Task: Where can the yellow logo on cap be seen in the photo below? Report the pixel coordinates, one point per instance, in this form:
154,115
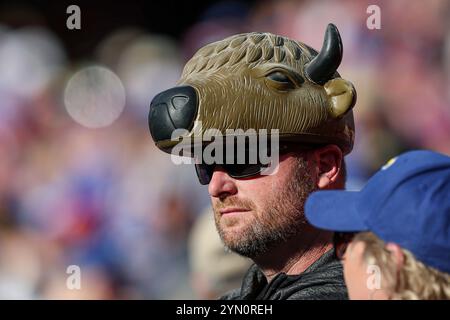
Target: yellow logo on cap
389,163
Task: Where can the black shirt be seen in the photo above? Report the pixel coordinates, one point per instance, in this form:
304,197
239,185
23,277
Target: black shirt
323,280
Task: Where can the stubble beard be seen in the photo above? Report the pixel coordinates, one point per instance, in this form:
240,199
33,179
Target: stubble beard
282,219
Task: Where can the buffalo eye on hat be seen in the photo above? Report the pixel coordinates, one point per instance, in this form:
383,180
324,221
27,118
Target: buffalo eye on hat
406,202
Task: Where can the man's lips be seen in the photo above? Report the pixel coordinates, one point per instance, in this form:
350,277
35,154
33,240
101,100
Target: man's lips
232,210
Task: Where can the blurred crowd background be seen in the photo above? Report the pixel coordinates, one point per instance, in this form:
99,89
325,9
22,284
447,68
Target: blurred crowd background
81,182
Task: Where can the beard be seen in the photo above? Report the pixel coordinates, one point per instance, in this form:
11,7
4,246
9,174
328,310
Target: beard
282,219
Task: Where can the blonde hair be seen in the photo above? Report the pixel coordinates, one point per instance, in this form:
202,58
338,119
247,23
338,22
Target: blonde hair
413,281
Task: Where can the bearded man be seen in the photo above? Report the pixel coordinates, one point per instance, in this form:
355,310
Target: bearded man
264,82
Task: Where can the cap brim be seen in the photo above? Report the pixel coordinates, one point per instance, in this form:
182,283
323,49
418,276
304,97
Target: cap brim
334,210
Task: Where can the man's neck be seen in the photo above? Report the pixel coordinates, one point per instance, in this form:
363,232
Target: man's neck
297,254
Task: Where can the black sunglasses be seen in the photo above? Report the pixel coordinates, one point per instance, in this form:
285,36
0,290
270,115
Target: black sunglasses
246,170
341,241
205,171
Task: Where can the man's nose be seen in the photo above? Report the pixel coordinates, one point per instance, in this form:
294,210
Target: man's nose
221,185
175,108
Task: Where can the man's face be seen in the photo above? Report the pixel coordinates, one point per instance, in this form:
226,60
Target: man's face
254,214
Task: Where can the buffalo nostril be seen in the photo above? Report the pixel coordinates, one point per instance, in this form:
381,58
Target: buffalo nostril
179,102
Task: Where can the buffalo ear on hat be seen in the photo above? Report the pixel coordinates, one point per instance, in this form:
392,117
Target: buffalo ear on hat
342,96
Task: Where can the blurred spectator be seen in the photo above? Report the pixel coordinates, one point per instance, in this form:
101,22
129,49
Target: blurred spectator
214,269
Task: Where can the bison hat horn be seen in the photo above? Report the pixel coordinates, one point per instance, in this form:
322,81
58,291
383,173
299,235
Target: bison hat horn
324,65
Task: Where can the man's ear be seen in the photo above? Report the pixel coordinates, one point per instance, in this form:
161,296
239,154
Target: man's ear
396,254
342,96
328,162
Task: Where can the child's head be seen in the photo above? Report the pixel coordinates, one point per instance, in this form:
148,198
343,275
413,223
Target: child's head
401,219
374,269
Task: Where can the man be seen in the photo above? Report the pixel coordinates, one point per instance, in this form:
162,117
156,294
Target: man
260,83
394,234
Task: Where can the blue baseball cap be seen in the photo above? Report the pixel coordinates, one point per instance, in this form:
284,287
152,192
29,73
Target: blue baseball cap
406,202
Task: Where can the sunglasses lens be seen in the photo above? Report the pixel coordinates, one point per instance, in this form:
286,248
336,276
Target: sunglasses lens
232,168
243,170
204,173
